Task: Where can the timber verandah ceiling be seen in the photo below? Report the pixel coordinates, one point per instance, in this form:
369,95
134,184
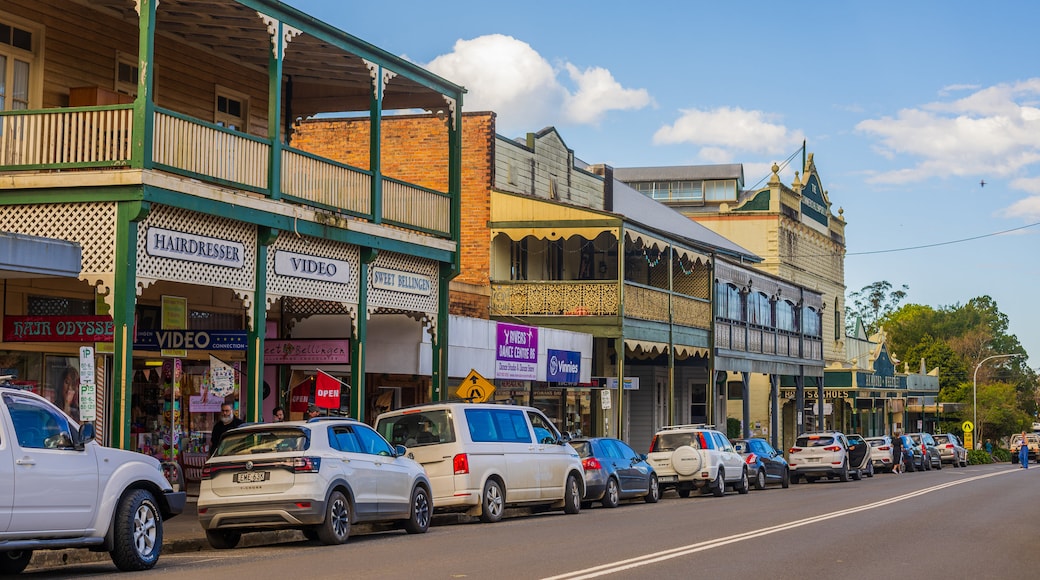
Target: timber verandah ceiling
325,64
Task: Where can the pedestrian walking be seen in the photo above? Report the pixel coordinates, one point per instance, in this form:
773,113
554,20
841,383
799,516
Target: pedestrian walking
1023,452
989,449
897,453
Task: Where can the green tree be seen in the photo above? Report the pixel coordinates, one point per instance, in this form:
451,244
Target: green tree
871,304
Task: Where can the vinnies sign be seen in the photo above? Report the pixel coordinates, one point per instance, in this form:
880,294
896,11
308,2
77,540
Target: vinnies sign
516,352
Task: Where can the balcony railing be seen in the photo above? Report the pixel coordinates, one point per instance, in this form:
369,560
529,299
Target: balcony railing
564,298
757,340
66,138
101,137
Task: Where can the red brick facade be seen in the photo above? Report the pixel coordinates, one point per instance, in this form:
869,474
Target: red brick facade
414,149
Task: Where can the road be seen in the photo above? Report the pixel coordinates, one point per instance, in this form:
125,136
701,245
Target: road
975,522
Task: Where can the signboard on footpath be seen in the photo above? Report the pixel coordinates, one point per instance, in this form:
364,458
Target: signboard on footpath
87,386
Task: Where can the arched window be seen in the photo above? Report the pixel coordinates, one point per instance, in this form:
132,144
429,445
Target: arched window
785,316
839,329
810,322
728,302
760,311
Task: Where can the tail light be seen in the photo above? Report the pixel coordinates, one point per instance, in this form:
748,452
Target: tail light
884,448
794,450
924,450
751,459
306,464
653,443
591,464
832,448
461,464
207,473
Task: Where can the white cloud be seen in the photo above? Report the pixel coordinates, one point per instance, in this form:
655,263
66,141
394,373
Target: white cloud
508,76
993,132
725,132
945,91
1028,208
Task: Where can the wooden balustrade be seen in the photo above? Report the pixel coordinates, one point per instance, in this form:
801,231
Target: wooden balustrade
66,138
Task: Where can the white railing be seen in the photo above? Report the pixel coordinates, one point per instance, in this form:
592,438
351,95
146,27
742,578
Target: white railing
326,183
69,137
209,151
412,206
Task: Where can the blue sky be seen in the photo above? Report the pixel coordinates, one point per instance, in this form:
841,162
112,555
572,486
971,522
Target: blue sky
906,106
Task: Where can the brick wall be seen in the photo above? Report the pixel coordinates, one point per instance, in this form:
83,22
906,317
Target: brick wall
415,150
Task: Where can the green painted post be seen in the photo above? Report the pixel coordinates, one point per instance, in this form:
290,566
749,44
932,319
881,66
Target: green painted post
274,109
144,108
374,150
124,302
255,349
357,346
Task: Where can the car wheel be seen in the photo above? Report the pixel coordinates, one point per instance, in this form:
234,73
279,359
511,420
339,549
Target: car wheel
137,532
336,527
760,479
745,485
843,475
785,481
938,464
14,561
856,474
572,496
612,496
926,464
419,520
870,469
222,539
718,489
492,503
683,491
654,492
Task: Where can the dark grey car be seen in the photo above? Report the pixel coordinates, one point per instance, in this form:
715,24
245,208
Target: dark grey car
930,450
613,472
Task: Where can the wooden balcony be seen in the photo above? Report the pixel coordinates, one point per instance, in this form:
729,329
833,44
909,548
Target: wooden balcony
561,298
102,137
758,340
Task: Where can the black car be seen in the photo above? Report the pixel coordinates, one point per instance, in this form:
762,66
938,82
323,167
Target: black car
929,450
765,463
613,472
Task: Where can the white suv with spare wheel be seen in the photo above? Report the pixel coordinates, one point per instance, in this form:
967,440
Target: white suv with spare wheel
696,456
819,454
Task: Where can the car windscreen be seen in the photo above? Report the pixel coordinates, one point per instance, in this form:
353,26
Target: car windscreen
417,428
940,439
814,441
254,441
742,446
876,442
673,441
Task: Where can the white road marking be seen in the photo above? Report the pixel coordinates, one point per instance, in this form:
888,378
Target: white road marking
652,558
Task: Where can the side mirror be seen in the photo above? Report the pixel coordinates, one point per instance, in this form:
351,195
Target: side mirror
400,450
85,434
642,456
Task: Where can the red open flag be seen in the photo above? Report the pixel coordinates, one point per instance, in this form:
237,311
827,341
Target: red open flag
326,392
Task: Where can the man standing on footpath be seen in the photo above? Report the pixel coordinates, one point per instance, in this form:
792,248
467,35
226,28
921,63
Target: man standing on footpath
897,453
1023,452
228,421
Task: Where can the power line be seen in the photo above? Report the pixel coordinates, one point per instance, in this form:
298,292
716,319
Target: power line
908,248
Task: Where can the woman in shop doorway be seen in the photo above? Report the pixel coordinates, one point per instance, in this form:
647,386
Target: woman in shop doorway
70,392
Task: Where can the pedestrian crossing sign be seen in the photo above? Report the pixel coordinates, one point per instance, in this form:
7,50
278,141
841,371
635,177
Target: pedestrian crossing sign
475,388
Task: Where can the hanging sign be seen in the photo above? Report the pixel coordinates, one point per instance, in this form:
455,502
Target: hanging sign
326,391
223,377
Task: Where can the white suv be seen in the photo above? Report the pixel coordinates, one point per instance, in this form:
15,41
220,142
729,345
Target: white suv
60,489
319,476
820,454
689,456
481,457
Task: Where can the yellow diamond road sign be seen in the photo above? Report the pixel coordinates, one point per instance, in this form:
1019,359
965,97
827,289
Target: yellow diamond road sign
967,426
475,388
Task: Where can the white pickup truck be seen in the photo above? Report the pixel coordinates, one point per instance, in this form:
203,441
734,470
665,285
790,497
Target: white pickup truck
60,489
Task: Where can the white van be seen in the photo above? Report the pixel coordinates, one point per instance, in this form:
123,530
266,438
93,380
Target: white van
482,457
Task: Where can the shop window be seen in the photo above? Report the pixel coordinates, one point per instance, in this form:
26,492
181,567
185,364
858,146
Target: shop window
18,63
203,320
127,73
231,109
59,306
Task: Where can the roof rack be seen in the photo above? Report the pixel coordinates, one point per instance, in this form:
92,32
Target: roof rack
330,418
689,426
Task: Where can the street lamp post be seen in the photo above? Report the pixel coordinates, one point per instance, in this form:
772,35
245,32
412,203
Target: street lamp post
974,390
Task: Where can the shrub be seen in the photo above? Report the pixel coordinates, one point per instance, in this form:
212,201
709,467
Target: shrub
1001,454
980,457
733,428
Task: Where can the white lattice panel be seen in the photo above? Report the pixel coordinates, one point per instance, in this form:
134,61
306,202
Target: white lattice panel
91,225
152,268
401,301
317,289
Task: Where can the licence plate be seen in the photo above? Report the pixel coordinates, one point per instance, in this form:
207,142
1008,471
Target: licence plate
668,478
814,460
252,476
